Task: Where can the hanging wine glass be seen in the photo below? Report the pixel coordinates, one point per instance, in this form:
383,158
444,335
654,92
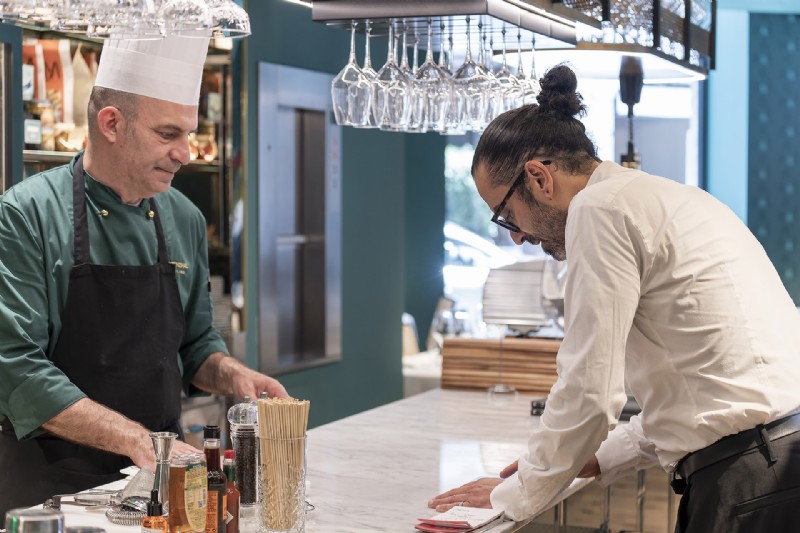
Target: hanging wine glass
188,18
391,93
30,11
70,15
369,74
229,19
516,93
493,93
505,82
433,89
351,91
471,84
455,110
532,88
141,19
442,55
416,117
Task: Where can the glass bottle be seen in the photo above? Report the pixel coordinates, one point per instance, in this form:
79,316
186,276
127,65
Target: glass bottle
229,466
216,508
154,522
188,493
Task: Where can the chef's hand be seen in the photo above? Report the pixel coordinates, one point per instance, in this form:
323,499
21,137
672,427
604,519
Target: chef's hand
473,494
223,374
248,382
590,469
144,456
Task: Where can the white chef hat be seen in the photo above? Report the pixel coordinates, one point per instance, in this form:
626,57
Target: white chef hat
168,69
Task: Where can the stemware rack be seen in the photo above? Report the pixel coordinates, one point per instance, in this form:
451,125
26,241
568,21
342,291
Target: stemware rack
682,32
554,25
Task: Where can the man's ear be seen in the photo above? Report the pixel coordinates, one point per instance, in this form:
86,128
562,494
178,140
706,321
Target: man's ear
540,178
110,123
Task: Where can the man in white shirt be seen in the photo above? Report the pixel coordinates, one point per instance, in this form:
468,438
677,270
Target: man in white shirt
667,292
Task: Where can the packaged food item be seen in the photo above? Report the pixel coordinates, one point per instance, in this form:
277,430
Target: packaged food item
188,493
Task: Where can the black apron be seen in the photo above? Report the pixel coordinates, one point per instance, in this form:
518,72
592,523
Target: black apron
122,327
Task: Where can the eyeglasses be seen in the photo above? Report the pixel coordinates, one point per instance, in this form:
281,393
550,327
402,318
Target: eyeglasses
498,217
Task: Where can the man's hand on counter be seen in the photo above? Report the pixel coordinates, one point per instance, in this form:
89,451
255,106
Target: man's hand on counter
473,494
223,374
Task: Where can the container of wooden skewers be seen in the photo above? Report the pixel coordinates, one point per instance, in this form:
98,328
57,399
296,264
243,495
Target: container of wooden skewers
282,424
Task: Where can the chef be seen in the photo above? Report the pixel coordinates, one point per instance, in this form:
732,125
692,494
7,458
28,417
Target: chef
105,312
666,291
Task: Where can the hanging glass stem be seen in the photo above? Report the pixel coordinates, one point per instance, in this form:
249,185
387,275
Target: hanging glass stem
367,60
353,25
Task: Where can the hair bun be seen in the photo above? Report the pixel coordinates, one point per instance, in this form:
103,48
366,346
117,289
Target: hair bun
558,92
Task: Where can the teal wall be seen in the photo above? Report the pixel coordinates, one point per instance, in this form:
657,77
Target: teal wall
423,234
728,100
774,152
392,217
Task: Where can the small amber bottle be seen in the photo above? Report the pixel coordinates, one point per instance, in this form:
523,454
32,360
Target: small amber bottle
155,521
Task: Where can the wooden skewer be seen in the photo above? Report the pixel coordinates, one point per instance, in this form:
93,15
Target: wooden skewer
282,430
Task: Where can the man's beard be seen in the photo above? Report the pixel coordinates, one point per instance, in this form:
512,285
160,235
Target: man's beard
551,224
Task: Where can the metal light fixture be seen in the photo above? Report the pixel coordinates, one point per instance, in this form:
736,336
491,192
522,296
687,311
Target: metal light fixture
631,81
674,38
668,40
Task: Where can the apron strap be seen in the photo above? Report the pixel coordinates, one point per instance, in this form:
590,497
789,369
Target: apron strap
162,246
80,223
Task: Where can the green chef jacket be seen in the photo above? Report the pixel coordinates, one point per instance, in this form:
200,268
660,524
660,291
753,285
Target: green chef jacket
36,255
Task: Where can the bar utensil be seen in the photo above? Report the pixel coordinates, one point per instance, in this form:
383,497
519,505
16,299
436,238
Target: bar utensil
162,444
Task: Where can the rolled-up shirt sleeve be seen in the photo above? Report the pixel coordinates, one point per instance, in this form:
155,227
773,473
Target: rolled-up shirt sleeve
602,295
624,451
32,389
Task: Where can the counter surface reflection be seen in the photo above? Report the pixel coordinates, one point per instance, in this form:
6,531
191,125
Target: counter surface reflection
376,471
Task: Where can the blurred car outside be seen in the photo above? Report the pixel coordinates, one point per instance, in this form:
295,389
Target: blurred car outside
467,260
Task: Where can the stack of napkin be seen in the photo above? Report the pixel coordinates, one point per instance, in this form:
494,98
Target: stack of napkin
461,519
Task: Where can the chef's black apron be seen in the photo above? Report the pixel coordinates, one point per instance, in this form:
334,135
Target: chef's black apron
122,327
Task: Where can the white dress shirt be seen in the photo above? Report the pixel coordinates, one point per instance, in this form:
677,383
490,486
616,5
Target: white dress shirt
669,292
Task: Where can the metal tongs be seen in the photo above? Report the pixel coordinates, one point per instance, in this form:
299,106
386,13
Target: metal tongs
133,497
90,499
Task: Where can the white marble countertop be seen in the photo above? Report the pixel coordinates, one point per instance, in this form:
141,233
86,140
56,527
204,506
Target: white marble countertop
375,471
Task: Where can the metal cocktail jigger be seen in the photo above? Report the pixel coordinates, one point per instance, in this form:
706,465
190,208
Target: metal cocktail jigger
162,444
